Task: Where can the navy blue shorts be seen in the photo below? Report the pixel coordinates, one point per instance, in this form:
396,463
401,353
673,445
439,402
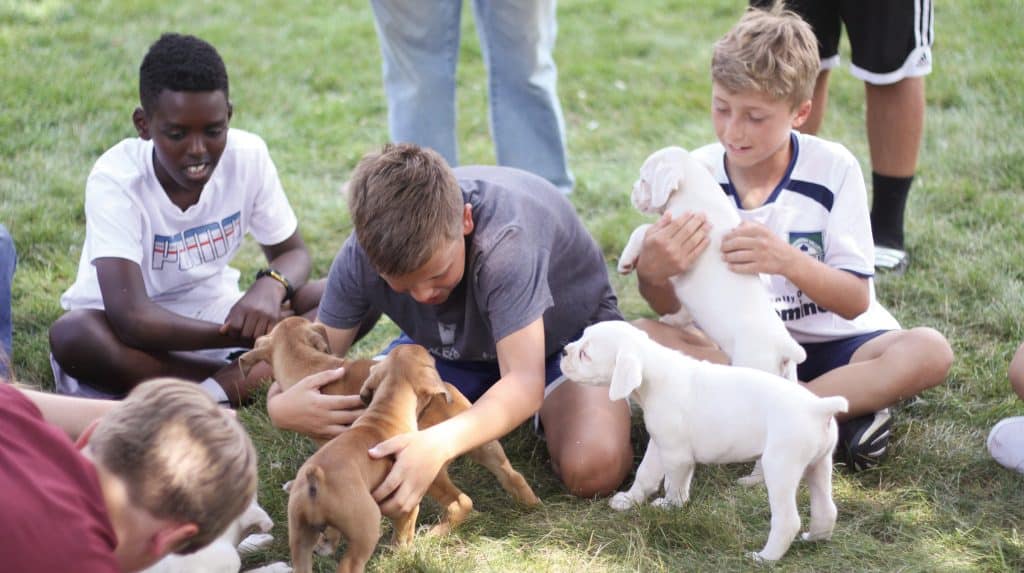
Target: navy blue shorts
474,378
824,357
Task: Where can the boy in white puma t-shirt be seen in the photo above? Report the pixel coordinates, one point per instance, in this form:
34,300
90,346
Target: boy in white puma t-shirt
165,214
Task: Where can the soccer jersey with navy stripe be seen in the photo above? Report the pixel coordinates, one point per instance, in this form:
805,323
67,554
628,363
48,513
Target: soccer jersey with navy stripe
820,206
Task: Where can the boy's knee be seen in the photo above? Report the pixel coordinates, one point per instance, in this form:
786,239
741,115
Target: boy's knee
595,471
936,355
70,331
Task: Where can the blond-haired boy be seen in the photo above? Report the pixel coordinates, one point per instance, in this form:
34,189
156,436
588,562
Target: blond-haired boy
491,269
806,230
166,470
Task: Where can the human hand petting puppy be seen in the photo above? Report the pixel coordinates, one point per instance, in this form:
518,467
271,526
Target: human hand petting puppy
255,313
304,409
419,456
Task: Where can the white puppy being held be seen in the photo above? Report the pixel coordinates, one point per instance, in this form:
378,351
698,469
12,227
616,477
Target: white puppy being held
734,309
221,556
698,412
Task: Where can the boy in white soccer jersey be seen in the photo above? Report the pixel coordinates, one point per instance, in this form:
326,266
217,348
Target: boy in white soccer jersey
165,214
805,229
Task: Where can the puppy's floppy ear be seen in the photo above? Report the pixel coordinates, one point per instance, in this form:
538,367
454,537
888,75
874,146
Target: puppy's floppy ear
318,338
668,176
261,351
627,375
372,381
437,387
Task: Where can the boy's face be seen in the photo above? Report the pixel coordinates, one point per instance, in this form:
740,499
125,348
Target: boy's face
753,127
434,282
189,131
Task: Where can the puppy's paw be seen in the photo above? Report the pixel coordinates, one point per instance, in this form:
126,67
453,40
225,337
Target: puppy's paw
757,558
327,542
626,267
287,485
816,536
255,543
751,480
621,501
667,503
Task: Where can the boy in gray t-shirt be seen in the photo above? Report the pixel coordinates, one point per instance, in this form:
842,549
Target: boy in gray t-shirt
491,270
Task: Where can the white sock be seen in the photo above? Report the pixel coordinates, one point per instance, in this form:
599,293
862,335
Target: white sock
215,390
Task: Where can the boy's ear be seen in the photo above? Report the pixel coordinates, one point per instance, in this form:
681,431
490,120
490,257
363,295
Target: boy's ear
141,123
467,219
171,537
231,110
803,111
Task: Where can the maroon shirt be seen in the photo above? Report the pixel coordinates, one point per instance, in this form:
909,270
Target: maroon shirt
52,514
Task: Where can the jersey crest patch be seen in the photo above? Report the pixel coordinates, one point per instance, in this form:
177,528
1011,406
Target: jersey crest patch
809,243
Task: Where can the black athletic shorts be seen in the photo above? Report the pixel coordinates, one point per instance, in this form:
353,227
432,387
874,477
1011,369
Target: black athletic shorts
889,39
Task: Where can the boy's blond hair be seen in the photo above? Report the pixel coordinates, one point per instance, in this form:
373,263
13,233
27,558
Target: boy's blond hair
771,51
404,201
179,455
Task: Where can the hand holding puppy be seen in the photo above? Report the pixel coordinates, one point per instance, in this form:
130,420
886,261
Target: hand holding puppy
303,409
751,248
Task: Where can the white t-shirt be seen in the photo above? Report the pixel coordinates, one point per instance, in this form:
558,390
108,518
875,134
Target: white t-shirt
821,207
183,255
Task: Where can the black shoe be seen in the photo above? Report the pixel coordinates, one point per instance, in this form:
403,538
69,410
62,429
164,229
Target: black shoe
863,441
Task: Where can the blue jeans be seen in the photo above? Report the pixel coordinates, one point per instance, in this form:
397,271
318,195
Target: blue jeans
419,42
8,262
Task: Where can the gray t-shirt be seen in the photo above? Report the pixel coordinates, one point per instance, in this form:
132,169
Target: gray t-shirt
528,256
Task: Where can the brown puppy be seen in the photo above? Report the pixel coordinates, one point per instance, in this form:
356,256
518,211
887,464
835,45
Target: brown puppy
333,488
296,348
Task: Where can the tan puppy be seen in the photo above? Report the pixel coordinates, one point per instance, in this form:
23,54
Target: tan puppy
296,348
333,488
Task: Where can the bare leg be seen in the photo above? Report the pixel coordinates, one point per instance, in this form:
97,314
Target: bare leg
820,101
85,346
895,122
588,438
887,369
690,341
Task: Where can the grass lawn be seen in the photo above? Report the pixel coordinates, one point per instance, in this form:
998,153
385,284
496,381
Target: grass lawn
633,77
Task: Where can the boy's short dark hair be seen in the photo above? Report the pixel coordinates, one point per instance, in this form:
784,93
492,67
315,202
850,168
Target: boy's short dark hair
180,63
404,201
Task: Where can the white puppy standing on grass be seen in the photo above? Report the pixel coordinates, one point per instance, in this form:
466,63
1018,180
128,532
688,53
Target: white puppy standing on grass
698,412
733,309
221,556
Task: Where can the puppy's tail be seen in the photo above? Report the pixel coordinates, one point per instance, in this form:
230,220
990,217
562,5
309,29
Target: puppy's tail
831,406
314,477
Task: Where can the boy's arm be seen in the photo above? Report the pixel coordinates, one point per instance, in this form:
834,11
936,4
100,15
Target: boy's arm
259,309
303,409
752,248
510,401
73,415
140,322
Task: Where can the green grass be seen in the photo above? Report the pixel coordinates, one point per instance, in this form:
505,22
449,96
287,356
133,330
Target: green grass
633,77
